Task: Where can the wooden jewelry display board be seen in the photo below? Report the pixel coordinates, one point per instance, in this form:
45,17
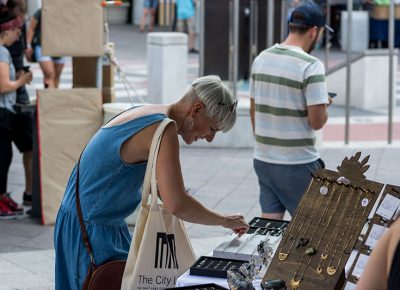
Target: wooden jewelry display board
387,212
318,242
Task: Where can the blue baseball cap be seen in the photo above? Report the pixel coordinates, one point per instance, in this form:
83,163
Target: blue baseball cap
313,15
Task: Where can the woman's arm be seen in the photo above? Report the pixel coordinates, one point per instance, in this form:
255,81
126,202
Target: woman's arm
374,276
7,85
172,190
29,37
377,271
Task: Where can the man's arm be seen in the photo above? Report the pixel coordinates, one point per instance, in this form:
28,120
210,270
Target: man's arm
252,112
317,116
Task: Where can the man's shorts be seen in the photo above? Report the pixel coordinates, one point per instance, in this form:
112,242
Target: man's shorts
17,128
186,25
42,58
282,186
150,4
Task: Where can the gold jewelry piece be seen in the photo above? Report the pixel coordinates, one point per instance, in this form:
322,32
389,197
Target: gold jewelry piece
290,235
331,270
314,249
349,239
295,284
324,254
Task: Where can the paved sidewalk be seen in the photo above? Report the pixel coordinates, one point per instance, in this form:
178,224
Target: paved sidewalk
223,178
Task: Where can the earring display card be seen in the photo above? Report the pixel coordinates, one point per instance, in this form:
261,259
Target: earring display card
213,267
387,211
245,247
210,286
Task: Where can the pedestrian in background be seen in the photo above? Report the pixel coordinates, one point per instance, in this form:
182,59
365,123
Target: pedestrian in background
51,66
149,9
10,128
185,16
289,102
24,118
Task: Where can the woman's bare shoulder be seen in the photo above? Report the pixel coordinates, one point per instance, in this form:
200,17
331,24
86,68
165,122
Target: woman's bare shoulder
137,113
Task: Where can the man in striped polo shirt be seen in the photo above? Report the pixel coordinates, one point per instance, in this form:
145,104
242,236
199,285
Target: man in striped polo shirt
289,101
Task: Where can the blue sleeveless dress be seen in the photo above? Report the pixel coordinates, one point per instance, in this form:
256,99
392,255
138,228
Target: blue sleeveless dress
110,190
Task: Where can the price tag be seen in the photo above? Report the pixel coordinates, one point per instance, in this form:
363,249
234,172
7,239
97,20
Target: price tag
375,234
360,265
350,286
388,206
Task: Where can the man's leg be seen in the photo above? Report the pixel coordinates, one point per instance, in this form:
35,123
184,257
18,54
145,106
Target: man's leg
23,139
5,149
271,206
6,123
292,181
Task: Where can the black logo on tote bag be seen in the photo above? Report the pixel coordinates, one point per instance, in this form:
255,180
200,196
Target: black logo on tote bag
166,252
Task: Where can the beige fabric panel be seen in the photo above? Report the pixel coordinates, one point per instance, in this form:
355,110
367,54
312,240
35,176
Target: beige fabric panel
72,28
67,119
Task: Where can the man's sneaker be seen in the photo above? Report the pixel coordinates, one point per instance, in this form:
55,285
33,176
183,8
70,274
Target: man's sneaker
12,204
27,199
5,212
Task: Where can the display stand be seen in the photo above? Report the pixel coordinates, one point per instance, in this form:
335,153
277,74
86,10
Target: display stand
387,212
327,223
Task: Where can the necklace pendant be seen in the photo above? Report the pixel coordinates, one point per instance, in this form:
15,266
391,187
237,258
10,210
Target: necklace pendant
295,284
331,270
310,251
282,256
319,269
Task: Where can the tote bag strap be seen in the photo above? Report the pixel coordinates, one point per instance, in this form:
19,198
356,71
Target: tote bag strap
151,164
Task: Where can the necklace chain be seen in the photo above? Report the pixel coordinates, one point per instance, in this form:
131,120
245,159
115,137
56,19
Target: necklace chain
282,255
296,283
331,270
331,242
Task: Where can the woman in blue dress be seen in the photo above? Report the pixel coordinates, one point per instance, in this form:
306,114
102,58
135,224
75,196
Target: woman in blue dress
112,170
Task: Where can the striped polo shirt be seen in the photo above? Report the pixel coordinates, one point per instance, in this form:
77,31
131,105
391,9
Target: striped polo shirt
285,80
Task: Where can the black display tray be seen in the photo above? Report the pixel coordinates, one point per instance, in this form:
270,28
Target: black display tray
210,286
275,227
213,267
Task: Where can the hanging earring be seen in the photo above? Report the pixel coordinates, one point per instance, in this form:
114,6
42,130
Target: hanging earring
191,124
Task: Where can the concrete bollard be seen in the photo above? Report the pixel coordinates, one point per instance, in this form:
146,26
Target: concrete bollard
167,55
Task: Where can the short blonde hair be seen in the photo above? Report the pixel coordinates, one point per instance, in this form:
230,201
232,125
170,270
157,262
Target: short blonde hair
217,99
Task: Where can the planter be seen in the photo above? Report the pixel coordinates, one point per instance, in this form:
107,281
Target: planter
118,14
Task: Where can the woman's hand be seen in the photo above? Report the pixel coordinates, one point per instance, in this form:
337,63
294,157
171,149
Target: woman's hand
29,53
25,77
237,223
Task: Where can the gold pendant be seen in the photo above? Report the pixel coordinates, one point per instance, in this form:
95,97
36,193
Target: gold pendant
331,270
295,284
282,256
319,270
324,256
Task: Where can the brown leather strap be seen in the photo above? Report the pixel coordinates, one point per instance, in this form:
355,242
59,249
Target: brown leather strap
81,223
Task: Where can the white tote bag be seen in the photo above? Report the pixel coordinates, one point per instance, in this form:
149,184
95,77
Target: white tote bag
160,251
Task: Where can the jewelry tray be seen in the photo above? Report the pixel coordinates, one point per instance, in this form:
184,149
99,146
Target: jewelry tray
213,267
210,286
275,227
245,247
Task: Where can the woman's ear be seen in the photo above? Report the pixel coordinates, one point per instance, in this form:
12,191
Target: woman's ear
196,108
